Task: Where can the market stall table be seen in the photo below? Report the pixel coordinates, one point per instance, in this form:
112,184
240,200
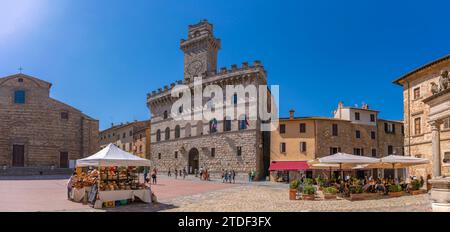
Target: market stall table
118,177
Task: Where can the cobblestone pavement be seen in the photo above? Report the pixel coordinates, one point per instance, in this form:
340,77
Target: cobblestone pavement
269,199
193,195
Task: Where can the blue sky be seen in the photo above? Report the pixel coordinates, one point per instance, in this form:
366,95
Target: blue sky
104,56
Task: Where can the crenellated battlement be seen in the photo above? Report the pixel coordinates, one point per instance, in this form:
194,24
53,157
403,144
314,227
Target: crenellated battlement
224,73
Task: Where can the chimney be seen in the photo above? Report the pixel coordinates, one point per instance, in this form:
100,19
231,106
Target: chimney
291,114
112,124
340,105
365,106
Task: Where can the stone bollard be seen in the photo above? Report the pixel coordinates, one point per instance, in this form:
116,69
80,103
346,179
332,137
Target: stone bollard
440,194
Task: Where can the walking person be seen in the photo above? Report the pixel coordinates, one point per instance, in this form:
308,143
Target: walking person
145,173
233,176
184,173
253,175
226,176
70,185
229,176
176,173
153,177
168,173
250,176
223,176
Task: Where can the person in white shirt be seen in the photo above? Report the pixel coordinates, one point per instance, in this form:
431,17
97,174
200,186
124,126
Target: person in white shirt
70,184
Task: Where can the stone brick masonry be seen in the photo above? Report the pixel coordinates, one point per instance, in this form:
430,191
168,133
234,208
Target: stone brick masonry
39,126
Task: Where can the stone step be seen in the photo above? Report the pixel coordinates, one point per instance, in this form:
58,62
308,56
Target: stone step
34,171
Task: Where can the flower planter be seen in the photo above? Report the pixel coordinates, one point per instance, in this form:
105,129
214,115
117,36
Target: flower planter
330,196
308,197
292,194
363,196
417,192
395,194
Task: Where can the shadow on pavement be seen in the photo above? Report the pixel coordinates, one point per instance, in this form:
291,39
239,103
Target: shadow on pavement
37,177
141,207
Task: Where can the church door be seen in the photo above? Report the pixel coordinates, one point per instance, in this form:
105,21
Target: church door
18,159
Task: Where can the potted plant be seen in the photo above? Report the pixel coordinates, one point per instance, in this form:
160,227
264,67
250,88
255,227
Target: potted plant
320,182
293,190
415,188
308,192
330,193
395,190
356,191
428,183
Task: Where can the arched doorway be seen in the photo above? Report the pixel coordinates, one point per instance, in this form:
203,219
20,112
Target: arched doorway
193,161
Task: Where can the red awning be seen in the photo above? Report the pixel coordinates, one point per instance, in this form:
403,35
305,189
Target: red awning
288,166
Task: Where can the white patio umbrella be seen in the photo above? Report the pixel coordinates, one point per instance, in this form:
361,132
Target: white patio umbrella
324,166
398,161
346,160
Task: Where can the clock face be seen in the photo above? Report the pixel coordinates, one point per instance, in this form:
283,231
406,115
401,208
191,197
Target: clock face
195,67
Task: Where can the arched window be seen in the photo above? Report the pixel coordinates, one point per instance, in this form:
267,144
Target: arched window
226,124
213,126
166,114
242,122
158,135
187,130
167,133
234,100
177,131
200,128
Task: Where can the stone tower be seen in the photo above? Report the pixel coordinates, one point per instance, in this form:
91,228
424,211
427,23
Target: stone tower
200,51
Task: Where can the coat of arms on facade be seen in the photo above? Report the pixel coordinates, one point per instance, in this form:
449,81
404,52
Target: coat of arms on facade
444,83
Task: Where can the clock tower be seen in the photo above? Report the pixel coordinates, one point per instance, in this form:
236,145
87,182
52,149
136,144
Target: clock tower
200,51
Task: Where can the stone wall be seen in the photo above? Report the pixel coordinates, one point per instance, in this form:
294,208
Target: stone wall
419,145
225,157
38,125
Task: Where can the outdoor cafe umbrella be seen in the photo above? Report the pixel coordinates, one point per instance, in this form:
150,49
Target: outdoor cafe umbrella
398,161
323,166
343,160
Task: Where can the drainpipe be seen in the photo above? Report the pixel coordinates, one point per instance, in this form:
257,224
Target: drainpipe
409,119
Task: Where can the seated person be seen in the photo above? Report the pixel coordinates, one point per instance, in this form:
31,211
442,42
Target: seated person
379,187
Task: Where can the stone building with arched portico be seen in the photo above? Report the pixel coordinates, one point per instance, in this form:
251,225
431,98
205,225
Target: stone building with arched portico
222,143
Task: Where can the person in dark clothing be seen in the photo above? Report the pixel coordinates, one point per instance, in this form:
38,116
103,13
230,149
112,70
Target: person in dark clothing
153,176
233,175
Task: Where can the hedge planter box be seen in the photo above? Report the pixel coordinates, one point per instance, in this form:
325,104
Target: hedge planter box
395,194
419,191
308,197
364,196
292,194
330,196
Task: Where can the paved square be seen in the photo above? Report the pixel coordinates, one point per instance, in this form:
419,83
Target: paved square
194,195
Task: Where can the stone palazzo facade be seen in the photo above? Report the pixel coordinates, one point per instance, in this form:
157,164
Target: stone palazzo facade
39,131
133,137
352,130
236,144
426,97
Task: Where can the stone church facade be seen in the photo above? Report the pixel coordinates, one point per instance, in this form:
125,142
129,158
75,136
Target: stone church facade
194,144
426,98
39,131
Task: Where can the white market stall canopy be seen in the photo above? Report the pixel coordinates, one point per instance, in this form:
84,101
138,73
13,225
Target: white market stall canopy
111,155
